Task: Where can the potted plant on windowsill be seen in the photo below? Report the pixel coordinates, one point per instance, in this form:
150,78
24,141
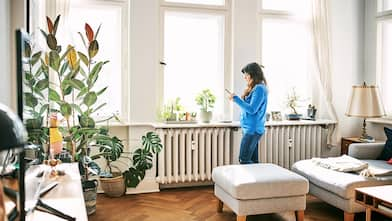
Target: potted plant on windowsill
206,100
293,103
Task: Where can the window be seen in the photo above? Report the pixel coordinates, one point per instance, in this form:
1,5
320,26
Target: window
195,57
384,54
285,50
112,38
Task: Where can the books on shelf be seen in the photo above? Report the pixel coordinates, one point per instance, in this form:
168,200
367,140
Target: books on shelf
385,208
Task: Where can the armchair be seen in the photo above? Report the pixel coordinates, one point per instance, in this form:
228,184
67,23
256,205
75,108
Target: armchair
338,188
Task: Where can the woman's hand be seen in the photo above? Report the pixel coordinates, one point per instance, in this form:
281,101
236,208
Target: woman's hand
231,96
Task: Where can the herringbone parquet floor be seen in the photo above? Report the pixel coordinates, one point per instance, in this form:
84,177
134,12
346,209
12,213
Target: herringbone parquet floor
197,204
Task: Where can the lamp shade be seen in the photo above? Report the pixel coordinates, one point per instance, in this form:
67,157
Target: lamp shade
365,102
12,132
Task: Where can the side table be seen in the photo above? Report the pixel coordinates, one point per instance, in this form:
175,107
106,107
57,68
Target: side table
346,141
376,198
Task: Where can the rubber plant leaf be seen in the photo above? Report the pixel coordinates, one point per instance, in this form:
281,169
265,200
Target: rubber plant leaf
89,32
50,25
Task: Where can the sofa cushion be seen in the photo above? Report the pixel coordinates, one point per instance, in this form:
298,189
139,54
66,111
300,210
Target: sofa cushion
386,154
256,181
341,183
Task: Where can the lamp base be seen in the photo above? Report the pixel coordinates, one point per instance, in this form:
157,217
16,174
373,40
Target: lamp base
367,139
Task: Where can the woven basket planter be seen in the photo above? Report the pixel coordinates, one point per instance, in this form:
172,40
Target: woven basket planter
113,187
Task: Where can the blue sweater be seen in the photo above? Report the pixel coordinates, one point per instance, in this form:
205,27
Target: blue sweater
253,109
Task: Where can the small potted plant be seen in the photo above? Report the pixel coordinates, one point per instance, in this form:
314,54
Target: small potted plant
206,100
292,103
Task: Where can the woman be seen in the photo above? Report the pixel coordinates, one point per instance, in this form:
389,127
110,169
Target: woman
253,104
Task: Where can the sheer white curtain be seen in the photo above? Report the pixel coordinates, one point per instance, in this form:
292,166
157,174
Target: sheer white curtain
322,67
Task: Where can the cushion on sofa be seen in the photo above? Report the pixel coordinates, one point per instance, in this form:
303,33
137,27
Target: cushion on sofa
341,183
386,154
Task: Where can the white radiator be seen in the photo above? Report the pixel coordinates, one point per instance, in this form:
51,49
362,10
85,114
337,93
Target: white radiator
190,154
286,144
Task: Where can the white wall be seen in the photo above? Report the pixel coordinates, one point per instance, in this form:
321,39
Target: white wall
347,31
5,76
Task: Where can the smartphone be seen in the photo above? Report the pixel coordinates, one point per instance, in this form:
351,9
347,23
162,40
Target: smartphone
228,91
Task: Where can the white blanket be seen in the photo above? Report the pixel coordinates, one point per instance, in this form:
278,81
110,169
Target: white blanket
343,163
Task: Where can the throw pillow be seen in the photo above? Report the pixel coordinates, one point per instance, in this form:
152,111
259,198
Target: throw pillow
386,153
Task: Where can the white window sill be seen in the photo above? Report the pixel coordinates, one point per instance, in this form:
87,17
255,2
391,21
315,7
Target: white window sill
383,120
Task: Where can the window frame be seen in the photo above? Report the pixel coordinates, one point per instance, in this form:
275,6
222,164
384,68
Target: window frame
381,17
124,114
225,11
279,15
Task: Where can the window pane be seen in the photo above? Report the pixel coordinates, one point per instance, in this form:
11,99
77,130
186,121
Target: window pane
194,57
297,6
109,40
384,5
386,66
201,2
285,55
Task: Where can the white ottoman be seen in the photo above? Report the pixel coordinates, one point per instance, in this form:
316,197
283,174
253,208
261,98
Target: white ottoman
252,189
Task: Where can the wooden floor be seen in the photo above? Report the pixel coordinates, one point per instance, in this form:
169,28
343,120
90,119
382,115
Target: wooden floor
198,204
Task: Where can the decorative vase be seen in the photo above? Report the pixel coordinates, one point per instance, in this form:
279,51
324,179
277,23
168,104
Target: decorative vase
90,195
205,116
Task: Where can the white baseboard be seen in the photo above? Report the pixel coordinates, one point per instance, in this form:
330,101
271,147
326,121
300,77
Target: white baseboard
148,185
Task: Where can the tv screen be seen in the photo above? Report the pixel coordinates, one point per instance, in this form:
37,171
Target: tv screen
32,104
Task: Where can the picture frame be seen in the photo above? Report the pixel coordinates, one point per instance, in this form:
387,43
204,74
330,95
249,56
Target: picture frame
276,115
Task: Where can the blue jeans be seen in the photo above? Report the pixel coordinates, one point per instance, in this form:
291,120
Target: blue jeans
249,151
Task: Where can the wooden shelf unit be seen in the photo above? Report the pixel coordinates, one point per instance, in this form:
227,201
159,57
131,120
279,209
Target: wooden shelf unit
372,197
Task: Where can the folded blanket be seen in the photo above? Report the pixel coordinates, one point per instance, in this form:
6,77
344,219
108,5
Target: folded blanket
343,163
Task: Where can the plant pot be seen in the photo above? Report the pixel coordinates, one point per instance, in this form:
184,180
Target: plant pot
113,187
293,116
205,116
90,195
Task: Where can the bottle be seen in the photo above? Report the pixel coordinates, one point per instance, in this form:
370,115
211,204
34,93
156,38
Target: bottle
55,137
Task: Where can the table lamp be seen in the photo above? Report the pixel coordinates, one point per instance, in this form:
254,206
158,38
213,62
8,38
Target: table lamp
13,136
365,102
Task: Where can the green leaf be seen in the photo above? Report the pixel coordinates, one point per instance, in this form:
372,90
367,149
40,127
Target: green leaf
83,57
82,92
84,42
30,100
78,84
96,33
67,90
90,99
101,91
151,141
66,109
99,107
43,109
93,76
77,108
54,60
35,58
44,34
42,84
51,41
53,95
65,53
63,68
27,49
56,23
93,48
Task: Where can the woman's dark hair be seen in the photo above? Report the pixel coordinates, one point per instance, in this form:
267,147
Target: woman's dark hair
256,74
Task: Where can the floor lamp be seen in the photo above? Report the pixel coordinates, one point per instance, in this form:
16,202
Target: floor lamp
365,102
14,136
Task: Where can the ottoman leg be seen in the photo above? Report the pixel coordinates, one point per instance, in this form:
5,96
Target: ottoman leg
219,207
299,215
241,218
348,216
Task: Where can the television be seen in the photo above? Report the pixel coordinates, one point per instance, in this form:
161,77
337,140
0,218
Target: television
22,42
